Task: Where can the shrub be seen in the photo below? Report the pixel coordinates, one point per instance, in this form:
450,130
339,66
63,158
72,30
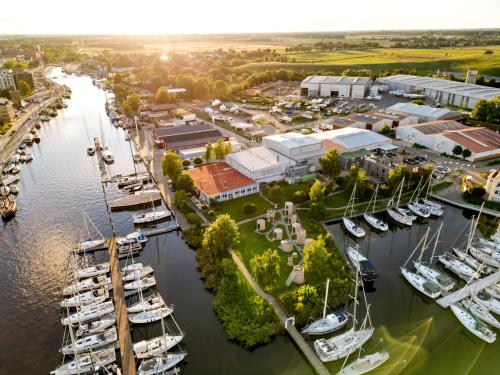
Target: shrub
474,195
193,218
211,213
299,196
198,161
185,162
193,236
249,208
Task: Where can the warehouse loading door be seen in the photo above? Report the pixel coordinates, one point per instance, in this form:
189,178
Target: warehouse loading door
334,93
304,91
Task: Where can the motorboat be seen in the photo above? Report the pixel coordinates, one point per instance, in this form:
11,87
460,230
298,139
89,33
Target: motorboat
98,269
474,325
138,274
89,245
458,267
365,364
153,302
144,283
493,290
328,323
419,209
89,313
433,275
16,170
375,222
342,345
484,299
108,156
150,316
150,217
8,209
161,365
362,264
353,228
91,150
95,282
130,180
133,237
86,298
91,342
100,325
87,363
481,312
424,286
156,346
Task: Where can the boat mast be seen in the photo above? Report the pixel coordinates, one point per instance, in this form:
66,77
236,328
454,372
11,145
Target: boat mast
436,243
400,191
326,298
375,200
424,245
353,198
355,298
414,250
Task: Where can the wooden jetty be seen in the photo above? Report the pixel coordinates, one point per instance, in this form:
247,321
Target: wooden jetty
100,160
124,337
136,200
466,206
466,291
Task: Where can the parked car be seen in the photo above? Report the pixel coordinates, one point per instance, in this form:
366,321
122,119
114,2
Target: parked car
172,186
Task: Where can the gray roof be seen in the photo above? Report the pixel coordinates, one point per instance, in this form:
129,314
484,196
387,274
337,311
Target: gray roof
339,80
458,88
422,110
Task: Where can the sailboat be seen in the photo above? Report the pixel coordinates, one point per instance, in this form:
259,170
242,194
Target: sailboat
96,326
133,237
493,290
89,244
156,346
481,312
362,264
91,149
474,325
143,283
149,316
395,212
459,268
137,274
365,364
430,273
351,226
86,298
341,346
91,342
328,323
89,313
434,208
417,208
370,218
484,299
150,216
87,363
91,271
161,365
152,302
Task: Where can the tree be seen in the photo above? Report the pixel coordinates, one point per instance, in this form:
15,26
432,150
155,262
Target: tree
127,109
317,192
275,192
355,176
249,208
134,101
208,152
221,149
317,260
181,200
24,88
466,153
185,182
385,130
186,163
396,175
266,268
330,163
306,298
171,165
162,96
198,161
487,110
457,150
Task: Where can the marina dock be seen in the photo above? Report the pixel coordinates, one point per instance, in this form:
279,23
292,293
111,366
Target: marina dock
135,200
124,337
465,292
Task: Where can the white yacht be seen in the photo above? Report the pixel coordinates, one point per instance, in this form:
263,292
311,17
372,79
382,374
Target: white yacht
88,245
96,282
466,258
481,312
433,275
399,217
484,299
493,290
365,364
424,286
328,323
419,209
131,267
484,258
132,238
138,274
91,271
156,346
475,326
153,302
96,326
86,298
370,217
161,365
91,342
457,267
342,345
353,227
89,313
87,363
150,316
90,150
150,217
108,156
144,283
434,208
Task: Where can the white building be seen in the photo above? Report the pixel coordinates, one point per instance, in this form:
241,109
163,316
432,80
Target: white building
335,86
351,140
492,186
260,164
440,90
298,147
443,136
7,79
377,120
424,113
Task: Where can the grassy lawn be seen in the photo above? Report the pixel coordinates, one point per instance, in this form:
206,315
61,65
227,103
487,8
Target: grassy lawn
234,207
441,186
287,191
337,200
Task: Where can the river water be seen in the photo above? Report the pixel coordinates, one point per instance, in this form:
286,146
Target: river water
62,181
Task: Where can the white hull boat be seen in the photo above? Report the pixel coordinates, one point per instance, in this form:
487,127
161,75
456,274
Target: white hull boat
150,316
89,313
161,365
362,264
329,323
131,267
87,363
399,217
96,326
484,299
365,364
86,298
130,248
108,156
483,257
91,342
342,345
481,313
150,217
434,208
475,326
434,276
353,228
375,222
90,150
407,212
424,286
467,259
459,268
144,283
138,274
99,269
134,237
156,346
88,245
493,291
96,282
151,303
419,209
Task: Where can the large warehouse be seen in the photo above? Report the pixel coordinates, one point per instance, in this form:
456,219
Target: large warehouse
299,147
424,113
352,140
443,136
335,86
440,90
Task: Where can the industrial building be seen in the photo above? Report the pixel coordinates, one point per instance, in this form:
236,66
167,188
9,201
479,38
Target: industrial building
186,136
221,182
424,113
443,136
295,146
442,91
335,86
261,164
492,186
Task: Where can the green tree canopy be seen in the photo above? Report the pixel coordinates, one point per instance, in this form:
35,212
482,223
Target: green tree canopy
221,149
330,163
457,150
162,96
396,175
275,192
171,165
266,268
317,192
208,152
487,110
185,182
317,260
134,101
24,88
466,153
306,298
355,176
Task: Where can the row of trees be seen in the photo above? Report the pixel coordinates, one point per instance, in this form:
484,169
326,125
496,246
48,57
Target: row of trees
487,110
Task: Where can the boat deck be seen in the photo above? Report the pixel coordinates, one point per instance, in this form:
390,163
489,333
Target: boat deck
134,200
466,291
124,337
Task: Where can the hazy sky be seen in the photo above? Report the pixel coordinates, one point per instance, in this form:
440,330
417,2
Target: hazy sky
228,16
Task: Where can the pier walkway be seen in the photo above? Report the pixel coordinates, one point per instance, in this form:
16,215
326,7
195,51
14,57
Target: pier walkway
466,291
299,340
124,337
486,211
